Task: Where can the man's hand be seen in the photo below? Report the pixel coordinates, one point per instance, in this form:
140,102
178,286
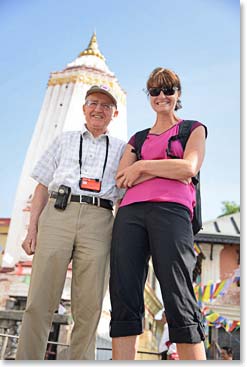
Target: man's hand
29,244
39,201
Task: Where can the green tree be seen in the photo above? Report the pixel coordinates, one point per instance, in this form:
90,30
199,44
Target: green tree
229,207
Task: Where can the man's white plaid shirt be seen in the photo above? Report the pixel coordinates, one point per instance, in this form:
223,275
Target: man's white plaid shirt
59,165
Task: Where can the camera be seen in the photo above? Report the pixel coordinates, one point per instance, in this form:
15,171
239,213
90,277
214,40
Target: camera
62,198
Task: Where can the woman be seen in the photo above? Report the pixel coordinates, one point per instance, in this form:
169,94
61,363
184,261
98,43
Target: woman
154,219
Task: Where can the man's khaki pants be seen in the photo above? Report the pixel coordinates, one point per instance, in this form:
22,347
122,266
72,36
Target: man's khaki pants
81,232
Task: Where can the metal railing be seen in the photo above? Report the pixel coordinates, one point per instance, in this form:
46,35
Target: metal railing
7,336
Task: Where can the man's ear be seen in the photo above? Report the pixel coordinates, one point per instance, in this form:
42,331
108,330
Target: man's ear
83,109
115,113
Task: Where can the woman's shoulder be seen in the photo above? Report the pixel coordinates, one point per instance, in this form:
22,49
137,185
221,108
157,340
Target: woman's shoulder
193,125
140,135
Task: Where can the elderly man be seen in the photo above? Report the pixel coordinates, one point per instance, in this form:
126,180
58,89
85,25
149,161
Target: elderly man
71,219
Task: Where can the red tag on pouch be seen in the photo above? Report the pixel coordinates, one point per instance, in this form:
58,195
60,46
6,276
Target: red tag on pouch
90,184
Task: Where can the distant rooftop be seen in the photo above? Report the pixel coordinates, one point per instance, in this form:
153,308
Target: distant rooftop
222,230
228,224
4,221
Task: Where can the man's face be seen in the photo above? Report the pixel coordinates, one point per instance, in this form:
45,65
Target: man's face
99,111
224,354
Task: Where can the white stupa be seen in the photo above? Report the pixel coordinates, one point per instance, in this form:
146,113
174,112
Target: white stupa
61,110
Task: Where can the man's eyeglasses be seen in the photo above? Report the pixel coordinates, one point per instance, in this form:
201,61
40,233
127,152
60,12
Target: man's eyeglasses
154,92
93,104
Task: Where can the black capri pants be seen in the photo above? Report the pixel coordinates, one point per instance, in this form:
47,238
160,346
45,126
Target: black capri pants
163,231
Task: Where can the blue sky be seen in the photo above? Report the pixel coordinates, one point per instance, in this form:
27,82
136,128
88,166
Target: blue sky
198,39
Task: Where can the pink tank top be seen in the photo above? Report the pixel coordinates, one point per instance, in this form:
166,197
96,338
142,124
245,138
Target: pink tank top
161,189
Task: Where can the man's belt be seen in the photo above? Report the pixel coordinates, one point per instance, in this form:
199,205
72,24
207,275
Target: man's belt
93,200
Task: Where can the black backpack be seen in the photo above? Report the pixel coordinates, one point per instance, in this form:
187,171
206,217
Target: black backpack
183,136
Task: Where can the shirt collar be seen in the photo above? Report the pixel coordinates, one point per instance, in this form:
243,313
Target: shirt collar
85,131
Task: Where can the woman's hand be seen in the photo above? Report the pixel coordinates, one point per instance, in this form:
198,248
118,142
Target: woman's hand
127,176
132,175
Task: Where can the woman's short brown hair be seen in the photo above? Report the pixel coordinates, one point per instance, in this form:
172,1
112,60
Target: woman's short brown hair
161,77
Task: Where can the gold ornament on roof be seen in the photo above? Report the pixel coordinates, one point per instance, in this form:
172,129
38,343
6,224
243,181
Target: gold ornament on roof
86,79
92,49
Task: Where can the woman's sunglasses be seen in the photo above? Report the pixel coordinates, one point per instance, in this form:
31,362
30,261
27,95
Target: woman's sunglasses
154,92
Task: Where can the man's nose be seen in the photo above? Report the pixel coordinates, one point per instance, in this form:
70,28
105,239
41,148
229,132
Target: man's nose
99,107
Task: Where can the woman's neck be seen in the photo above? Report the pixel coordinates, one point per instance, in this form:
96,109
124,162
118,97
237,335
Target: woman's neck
164,123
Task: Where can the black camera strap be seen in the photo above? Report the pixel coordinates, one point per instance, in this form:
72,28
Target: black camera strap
106,154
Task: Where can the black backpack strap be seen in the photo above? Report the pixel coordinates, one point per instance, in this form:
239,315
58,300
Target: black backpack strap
140,137
183,136
184,131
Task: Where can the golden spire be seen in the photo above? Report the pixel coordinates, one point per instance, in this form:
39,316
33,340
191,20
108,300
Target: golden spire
93,48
